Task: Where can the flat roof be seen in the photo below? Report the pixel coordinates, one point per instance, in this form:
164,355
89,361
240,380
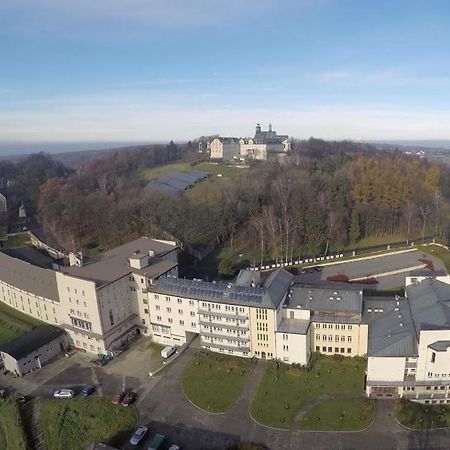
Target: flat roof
31,341
391,328
114,264
430,304
321,298
294,326
28,277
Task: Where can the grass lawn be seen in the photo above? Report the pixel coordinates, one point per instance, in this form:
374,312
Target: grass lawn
12,436
438,252
344,414
421,417
155,350
285,389
74,424
17,241
14,323
213,381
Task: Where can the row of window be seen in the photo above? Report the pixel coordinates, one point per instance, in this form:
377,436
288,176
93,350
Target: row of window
438,375
330,349
330,338
75,291
435,388
336,326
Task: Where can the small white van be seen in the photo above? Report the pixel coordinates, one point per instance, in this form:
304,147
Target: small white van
168,351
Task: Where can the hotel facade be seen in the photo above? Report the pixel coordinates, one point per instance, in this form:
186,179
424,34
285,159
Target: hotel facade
135,289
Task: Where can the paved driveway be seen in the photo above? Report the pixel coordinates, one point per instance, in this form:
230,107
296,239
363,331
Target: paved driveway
166,410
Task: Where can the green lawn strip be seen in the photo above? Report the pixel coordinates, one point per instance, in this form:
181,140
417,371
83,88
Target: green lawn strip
13,323
18,240
438,252
285,389
343,414
77,423
419,416
213,381
12,436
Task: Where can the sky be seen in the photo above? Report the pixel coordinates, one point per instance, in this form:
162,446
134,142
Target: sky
154,70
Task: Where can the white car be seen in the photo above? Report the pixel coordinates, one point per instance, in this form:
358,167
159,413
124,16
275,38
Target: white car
174,447
64,393
138,435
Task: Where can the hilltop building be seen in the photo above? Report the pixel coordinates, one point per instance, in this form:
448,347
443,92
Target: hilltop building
261,147
134,288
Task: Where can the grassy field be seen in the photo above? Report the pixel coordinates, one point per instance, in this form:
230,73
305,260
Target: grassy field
422,417
14,323
12,436
344,414
438,252
74,424
20,240
213,381
285,389
207,191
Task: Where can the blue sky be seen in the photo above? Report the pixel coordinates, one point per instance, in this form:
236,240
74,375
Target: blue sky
145,70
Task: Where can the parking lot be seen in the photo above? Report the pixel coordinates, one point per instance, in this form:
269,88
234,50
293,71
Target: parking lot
373,267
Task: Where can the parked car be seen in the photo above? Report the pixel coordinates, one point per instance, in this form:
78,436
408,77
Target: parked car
157,442
88,390
174,447
129,398
138,435
3,394
318,268
118,397
64,393
20,398
99,362
303,270
168,351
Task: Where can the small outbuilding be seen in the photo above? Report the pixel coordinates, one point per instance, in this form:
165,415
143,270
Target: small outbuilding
32,350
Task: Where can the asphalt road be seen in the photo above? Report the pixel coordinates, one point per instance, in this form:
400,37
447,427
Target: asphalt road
372,267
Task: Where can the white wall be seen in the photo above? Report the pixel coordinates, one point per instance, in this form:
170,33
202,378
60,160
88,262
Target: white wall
440,369
293,348
385,368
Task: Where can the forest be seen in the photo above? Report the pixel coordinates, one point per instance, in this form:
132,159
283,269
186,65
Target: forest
326,196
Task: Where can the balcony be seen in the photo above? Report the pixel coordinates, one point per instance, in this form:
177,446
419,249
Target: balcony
211,313
226,347
224,325
225,336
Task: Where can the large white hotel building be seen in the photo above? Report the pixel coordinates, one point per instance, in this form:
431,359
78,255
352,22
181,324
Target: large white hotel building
135,288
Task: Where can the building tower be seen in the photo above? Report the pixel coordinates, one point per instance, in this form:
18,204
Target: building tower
258,128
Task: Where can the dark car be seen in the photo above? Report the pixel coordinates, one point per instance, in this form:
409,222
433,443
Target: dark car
311,270
88,390
129,398
118,397
318,268
303,270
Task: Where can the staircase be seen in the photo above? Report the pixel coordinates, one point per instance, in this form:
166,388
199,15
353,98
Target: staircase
30,413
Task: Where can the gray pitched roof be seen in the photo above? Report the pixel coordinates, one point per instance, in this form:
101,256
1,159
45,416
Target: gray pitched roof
320,298
440,346
391,329
113,264
268,295
31,341
175,182
28,277
430,304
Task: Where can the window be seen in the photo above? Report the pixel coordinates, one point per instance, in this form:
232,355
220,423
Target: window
317,348
336,350
193,313
342,350
349,327
179,300
330,349
330,326
158,318
157,307
433,357
324,349
180,311
349,350
349,339
193,324
145,310
285,337
342,327
191,302
156,297
169,309
336,338
342,338
167,298
170,320
181,322
337,327
317,325
318,337
330,337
